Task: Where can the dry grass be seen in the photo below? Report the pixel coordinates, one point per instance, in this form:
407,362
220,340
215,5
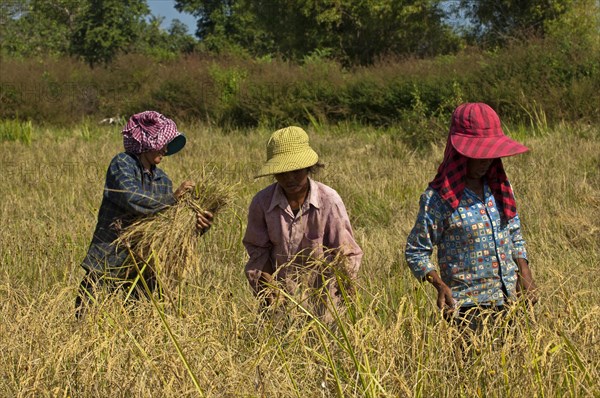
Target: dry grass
392,343
319,288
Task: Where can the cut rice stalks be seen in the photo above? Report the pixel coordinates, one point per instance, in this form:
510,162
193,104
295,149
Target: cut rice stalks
169,240
321,286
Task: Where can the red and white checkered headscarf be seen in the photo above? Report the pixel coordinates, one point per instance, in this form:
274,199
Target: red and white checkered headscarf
148,131
475,132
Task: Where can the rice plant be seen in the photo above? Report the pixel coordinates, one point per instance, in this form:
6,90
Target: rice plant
387,339
169,240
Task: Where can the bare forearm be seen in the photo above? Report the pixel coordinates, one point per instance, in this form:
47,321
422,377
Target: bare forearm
444,298
433,278
525,275
525,283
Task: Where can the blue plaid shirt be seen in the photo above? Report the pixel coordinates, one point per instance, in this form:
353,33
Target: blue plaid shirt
129,193
476,252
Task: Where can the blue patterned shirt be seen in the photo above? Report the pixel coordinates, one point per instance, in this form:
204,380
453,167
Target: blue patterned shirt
476,252
129,193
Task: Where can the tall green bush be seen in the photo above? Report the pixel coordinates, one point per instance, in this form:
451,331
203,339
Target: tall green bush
558,78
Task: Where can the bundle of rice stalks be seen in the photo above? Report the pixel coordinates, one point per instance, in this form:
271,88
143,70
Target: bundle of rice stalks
168,240
318,284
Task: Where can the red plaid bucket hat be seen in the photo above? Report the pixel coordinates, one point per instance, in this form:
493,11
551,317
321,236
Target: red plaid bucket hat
476,133
151,131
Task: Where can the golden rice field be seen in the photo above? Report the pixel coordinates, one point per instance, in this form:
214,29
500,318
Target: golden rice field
392,343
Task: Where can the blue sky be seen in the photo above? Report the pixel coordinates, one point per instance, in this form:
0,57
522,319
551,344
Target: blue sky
166,8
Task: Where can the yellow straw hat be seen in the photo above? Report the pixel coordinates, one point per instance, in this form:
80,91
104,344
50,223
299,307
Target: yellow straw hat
288,150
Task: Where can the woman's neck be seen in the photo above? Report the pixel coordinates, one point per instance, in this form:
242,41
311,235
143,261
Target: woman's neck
296,200
475,185
145,163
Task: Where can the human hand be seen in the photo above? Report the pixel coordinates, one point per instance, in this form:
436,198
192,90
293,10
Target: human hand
203,221
265,288
185,187
445,302
526,287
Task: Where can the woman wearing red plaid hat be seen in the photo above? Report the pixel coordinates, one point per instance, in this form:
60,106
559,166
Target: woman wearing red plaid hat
135,187
469,213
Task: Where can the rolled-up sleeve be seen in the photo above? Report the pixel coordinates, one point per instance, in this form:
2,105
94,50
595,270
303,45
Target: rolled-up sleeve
258,245
340,235
425,235
518,242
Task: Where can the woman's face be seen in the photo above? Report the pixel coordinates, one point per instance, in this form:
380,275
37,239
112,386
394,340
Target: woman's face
293,182
155,157
477,168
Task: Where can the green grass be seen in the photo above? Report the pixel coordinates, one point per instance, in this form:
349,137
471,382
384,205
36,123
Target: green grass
15,130
393,342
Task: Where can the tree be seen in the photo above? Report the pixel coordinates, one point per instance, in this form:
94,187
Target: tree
356,31
106,27
179,39
155,41
38,27
224,25
494,22
359,31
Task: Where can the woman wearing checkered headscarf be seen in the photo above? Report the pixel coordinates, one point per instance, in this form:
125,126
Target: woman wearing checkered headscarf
134,187
469,213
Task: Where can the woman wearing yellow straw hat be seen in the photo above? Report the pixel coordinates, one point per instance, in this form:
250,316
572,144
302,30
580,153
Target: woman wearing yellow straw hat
297,222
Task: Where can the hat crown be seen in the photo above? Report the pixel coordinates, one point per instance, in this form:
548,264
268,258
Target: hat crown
476,120
289,140
150,131
288,150
476,133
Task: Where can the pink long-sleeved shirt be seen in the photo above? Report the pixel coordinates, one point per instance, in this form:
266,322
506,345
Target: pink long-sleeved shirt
275,235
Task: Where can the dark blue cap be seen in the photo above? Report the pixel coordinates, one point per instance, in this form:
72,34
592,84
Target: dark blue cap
176,145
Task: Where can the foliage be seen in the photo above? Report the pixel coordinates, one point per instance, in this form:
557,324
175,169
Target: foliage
223,26
560,77
16,130
350,32
578,28
29,28
354,32
94,30
164,44
106,27
495,22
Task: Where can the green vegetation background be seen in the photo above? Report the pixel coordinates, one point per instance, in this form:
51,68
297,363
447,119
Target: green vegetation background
534,63
523,83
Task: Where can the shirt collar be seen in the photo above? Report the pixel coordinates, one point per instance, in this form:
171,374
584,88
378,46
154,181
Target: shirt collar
487,192
280,200
153,169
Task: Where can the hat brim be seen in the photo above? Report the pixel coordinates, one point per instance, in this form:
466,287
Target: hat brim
176,145
288,162
493,147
